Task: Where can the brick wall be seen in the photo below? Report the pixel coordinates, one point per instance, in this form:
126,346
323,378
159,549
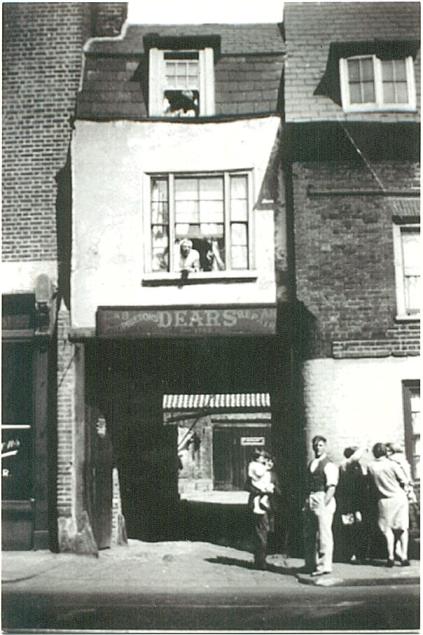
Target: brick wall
65,415
344,260
42,55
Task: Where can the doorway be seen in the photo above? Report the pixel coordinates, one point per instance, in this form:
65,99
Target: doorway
135,377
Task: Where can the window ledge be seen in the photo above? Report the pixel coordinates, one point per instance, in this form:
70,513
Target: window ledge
201,277
408,318
374,108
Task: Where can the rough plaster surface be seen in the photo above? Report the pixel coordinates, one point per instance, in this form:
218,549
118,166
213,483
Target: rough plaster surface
333,409
110,164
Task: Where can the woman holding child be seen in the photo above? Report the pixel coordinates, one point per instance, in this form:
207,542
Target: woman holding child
263,486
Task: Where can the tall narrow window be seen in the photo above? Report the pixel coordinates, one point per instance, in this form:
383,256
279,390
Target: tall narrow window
200,222
16,442
412,422
407,269
181,83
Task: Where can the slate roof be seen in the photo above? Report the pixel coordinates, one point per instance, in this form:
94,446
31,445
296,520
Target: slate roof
248,70
235,38
310,30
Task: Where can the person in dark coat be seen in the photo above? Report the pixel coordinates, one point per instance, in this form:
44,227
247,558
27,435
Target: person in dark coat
352,497
263,522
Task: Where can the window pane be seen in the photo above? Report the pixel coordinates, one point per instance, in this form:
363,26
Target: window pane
159,213
412,293
416,420
239,257
239,187
186,211
187,230
387,70
186,189
239,234
160,236
355,94
212,229
211,211
16,448
389,92
16,384
411,249
239,210
400,69
366,68
159,190
402,93
354,70
211,189
368,92
160,259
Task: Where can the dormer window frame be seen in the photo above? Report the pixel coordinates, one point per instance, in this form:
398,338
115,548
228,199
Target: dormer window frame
378,104
158,81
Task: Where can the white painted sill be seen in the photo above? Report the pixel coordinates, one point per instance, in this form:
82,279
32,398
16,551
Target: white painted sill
200,277
408,318
372,108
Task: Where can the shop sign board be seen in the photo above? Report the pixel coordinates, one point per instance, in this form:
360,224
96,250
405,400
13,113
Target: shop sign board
137,322
252,440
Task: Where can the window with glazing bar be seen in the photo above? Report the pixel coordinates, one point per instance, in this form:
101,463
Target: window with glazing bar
200,222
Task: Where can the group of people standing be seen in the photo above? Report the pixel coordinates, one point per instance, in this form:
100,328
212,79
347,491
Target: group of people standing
370,496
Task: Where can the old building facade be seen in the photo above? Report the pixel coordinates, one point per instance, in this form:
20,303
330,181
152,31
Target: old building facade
42,45
352,112
210,242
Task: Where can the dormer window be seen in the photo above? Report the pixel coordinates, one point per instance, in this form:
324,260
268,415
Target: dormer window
372,83
181,83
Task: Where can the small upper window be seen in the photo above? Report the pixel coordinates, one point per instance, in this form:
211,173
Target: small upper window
407,269
371,83
181,83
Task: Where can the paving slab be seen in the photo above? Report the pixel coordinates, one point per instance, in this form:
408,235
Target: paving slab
181,566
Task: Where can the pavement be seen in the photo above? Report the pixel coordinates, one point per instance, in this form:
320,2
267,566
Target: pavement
184,566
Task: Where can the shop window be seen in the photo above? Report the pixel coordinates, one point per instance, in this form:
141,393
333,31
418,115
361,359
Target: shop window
371,83
200,223
412,419
407,269
16,447
181,83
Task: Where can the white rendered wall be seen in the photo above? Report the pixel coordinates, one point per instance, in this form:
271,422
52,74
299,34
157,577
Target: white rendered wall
356,401
109,163
20,277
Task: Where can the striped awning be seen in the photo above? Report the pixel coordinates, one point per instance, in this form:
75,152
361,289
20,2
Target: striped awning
406,207
216,401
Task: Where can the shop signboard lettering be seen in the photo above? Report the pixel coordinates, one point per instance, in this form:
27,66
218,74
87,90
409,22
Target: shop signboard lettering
185,322
252,440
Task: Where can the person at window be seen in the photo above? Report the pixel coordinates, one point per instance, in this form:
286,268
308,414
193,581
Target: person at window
180,103
319,509
390,482
189,259
213,258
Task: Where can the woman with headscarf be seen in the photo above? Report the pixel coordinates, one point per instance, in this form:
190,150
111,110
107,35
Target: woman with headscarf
390,483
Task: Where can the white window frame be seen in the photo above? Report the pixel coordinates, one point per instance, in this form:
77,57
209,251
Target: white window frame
239,274
157,81
402,312
412,437
378,104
